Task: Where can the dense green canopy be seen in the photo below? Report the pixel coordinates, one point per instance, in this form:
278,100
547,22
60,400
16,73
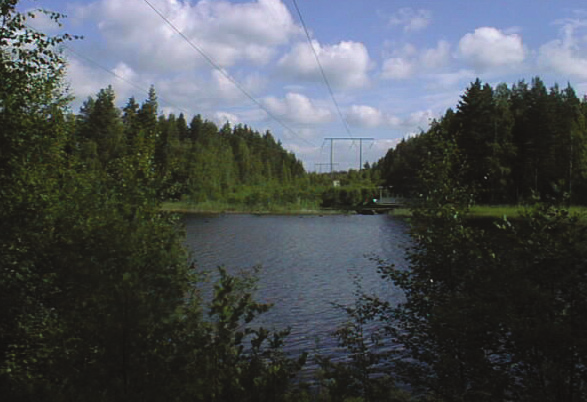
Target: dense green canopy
515,141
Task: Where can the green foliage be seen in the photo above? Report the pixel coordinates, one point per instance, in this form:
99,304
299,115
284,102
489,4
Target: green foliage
546,283
515,141
99,129
361,375
346,197
355,188
99,301
224,368
31,160
491,312
208,164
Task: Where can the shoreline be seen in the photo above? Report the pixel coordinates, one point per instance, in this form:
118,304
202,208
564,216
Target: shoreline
182,208
476,212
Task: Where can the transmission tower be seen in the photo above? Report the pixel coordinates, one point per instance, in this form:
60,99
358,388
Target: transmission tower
360,139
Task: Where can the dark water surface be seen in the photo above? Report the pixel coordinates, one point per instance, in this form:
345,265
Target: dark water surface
308,263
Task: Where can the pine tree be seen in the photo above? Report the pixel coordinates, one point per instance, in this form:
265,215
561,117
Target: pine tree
477,131
100,124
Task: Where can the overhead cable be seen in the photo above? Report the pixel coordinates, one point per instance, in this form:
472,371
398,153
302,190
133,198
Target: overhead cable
134,85
226,75
344,122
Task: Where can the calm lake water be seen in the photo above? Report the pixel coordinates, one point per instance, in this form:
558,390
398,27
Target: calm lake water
309,263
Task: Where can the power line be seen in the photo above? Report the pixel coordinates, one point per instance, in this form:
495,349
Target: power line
360,139
138,87
134,85
225,74
106,69
344,122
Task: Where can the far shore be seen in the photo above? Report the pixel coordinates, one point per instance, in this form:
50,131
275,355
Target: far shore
478,211
216,209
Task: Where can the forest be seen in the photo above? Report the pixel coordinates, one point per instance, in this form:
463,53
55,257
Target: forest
515,142
200,164
100,300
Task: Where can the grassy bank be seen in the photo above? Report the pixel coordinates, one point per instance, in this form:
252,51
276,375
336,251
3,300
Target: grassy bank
210,207
512,211
401,212
495,211
491,211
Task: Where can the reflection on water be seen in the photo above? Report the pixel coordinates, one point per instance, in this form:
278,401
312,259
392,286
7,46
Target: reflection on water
308,264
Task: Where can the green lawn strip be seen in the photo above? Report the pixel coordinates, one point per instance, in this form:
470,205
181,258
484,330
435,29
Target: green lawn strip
218,207
491,211
401,212
211,207
498,211
495,211
512,211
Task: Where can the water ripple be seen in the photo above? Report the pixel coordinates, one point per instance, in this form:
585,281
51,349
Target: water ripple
308,264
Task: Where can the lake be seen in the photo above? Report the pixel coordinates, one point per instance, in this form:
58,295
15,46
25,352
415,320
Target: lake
309,264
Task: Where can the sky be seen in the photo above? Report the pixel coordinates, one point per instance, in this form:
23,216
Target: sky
392,65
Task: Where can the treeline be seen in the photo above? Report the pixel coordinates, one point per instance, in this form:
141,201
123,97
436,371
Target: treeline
200,163
517,142
196,162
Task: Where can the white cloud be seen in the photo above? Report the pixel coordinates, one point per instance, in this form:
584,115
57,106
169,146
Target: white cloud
557,57
187,92
365,116
254,115
397,68
124,71
227,32
567,55
221,118
86,81
82,81
345,64
450,79
411,20
436,57
297,108
384,145
223,87
489,47
409,61
418,121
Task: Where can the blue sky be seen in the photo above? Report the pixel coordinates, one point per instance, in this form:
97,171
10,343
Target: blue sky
392,65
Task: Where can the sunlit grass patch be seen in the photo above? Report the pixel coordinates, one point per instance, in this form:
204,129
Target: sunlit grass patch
513,211
495,211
